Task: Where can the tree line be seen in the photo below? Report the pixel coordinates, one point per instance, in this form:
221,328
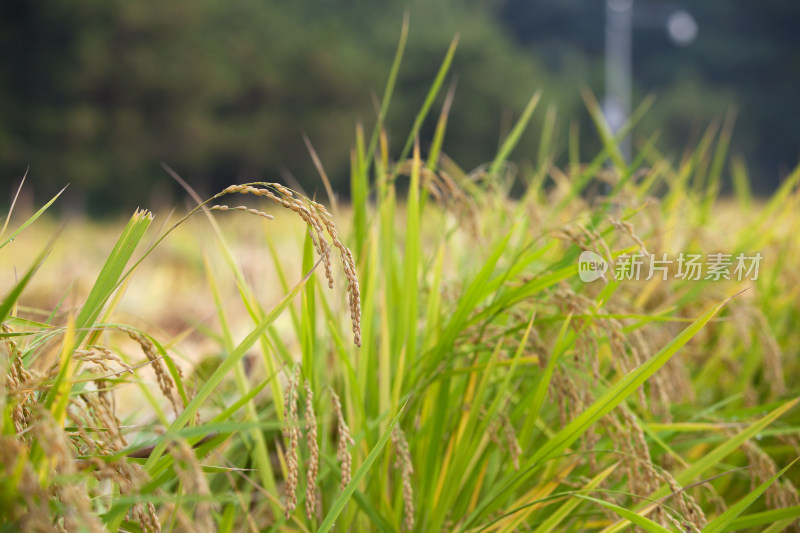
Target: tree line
99,93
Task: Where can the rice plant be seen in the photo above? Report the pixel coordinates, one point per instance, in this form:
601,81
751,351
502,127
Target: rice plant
429,360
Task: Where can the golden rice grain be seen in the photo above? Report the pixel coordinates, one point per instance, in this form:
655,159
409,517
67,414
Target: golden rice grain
313,453
406,467
291,434
320,223
342,453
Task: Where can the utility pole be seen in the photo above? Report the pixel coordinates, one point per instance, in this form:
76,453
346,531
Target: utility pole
617,102
682,30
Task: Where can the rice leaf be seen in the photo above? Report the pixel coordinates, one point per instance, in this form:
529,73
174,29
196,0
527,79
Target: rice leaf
338,505
641,521
731,513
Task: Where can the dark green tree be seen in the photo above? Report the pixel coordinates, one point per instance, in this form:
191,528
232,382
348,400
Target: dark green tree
98,93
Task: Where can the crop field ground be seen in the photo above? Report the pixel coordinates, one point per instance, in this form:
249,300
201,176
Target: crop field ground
423,357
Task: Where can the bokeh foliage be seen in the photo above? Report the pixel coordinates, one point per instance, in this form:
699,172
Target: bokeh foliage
98,93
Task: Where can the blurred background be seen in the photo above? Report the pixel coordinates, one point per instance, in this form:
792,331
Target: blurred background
97,93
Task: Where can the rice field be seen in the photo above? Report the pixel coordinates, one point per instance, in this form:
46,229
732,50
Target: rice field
429,355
